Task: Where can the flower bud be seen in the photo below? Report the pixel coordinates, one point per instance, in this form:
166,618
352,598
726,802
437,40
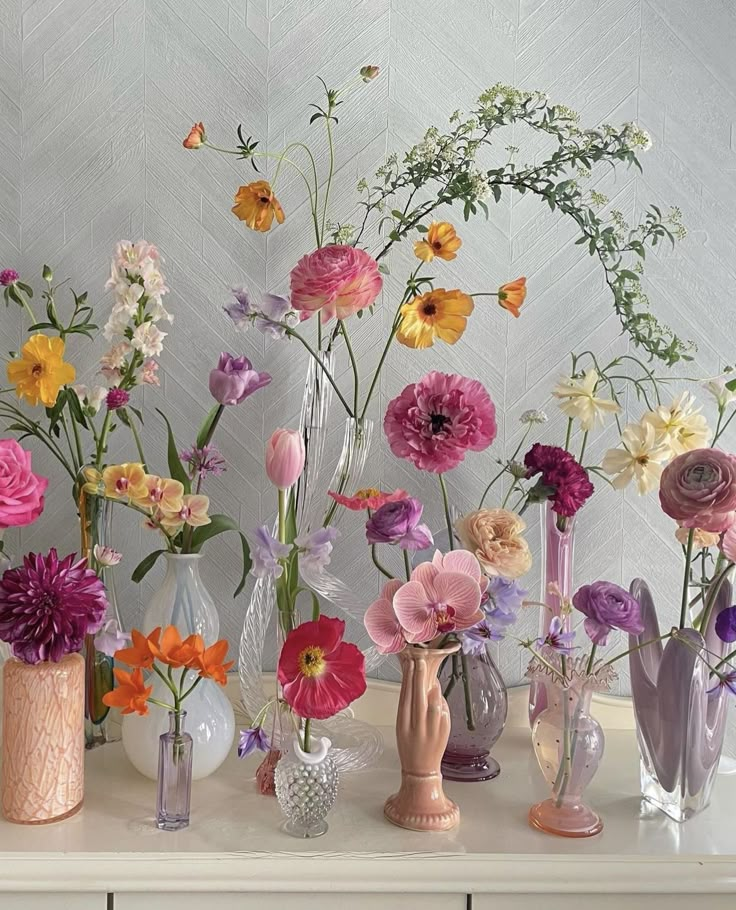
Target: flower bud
284,458
47,274
369,72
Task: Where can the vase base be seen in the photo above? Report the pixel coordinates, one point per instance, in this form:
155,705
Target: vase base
470,771
444,818
565,821
304,832
172,823
44,821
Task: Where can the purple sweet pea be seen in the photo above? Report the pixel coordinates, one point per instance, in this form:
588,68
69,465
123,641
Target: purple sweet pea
266,552
275,309
607,606
473,640
503,595
241,310
726,624
234,380
110,638
725,680
556,638
398,523
252,739
316,548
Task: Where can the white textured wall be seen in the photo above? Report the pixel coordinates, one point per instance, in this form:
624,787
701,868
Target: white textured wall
96,96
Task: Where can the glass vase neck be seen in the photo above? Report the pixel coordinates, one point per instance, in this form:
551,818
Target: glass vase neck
176,721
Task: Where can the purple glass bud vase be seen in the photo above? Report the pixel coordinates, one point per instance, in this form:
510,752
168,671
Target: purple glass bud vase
174,775
477,719
680,725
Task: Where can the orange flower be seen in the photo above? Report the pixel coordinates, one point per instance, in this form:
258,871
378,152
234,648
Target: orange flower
211,664
177,653
512,295
196,137
256,205
441,242
130,694
139,655
437,314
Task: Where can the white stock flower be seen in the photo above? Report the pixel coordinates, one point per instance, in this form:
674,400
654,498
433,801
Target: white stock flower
680,424
148,339
642,458
578,401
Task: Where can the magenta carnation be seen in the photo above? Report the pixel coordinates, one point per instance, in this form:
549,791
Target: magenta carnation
48,605
435,421
698,490
563,481
335,281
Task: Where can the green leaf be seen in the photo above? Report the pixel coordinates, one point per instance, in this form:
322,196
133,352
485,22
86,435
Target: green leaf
731,385
218,525
207,425
176,468
145,566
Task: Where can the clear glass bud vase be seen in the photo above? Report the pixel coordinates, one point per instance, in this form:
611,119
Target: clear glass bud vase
174,788
306,788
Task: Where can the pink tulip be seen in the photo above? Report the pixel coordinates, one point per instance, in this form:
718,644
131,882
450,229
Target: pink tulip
284,458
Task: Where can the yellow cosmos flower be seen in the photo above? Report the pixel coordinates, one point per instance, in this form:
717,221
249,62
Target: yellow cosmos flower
125,481
437,314
511,296
256,205
441,242
40,371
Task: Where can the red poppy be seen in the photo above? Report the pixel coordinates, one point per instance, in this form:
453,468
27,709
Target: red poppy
369,498
319,672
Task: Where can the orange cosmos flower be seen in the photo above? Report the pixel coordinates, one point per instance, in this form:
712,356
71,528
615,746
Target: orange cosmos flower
256,205
176,653
441,242
196,137
139,654
512,295
211,664
437,314
130,694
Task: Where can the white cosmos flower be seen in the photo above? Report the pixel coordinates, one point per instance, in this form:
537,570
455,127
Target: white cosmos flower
680,424
642,458
148,339
722,395
578,401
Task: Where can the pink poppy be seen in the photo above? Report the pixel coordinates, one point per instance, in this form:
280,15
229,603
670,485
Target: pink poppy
382,624
368,499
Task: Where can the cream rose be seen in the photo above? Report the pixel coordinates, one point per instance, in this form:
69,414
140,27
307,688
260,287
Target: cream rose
494,536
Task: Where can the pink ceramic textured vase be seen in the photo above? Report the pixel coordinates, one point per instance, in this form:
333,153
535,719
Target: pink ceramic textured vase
43,740
422,732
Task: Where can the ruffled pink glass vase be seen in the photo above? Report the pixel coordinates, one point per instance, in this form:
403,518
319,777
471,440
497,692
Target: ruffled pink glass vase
43,740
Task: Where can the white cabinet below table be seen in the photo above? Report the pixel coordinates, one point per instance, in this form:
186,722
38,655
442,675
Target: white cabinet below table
602,901
14,900
291,901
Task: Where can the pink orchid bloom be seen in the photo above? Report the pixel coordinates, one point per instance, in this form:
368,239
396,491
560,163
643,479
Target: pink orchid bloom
381,622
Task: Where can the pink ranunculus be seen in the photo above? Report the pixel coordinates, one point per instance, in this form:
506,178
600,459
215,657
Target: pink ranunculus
335,281
21,491
435,421
698,489
727,544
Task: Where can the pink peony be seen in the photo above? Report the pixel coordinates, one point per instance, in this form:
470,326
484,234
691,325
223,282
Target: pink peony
336,280
435,421
21,491
698,490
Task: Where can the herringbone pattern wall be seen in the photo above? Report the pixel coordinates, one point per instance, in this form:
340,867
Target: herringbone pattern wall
96,96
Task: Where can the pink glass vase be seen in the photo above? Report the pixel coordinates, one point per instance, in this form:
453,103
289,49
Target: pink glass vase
557,568
174,785
568,743
422,731
478,712
43,740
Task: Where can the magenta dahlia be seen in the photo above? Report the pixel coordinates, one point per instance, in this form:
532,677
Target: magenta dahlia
435,421
48,605
563,481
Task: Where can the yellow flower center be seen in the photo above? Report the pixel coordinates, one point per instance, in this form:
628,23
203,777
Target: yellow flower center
311,661
368,493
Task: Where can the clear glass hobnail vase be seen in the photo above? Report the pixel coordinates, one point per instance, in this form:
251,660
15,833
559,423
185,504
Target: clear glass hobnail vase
556,560
568,743
174,782
680,724
477,720
306,788
96,525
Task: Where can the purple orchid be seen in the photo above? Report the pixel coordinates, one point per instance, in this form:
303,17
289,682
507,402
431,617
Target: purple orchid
398,523
556,638
252,739
266,552
316,548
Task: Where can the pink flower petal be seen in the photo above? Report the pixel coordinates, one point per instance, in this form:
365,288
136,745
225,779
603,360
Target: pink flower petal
383,626
461,593
414,611
425,573
462,561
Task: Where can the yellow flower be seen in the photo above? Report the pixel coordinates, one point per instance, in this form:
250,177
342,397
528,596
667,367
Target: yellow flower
441,241
256,205
680,424
511,296
162,493
193,511
642,457
40,371
125,481
578,401
94,484
437,314
701,539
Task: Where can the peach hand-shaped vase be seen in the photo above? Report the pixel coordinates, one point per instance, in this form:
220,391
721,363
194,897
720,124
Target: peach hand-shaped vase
422,731
43,740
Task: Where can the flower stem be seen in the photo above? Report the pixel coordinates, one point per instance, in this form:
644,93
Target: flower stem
294,334
354,364
446,504
384,354
381,568
686,580
307,734
469,718
407,565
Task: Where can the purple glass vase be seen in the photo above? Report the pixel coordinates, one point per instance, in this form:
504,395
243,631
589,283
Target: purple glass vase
477,718
680,725
174,792
557,564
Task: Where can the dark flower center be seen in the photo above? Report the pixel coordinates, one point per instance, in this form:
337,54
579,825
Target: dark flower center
438,422
264,200
437,245
429,309
37,369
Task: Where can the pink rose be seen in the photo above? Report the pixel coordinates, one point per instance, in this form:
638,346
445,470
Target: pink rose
698,489
338,280
21,491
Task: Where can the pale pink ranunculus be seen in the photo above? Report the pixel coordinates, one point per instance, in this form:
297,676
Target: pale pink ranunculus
495,537
698,490
21,491
285,456
335,281
727,544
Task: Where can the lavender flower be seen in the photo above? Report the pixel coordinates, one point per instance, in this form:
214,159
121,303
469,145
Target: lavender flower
505,595
252,739
607,606
726,681
266,552
556,638
275,309
241,310
203,461
316,548
473,641
111,638
398,523
48,605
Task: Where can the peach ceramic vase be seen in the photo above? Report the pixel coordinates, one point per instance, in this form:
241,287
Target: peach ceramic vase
43,740
422,732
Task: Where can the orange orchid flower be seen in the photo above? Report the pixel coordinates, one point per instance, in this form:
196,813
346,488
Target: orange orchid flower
140,654
175,652
211,664
511,296
130,694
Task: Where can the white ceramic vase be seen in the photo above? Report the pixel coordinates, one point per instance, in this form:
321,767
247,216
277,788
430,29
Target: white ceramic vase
183,601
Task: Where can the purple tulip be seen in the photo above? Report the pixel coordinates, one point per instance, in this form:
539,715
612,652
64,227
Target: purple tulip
398,523
234,380
607,606
726,624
